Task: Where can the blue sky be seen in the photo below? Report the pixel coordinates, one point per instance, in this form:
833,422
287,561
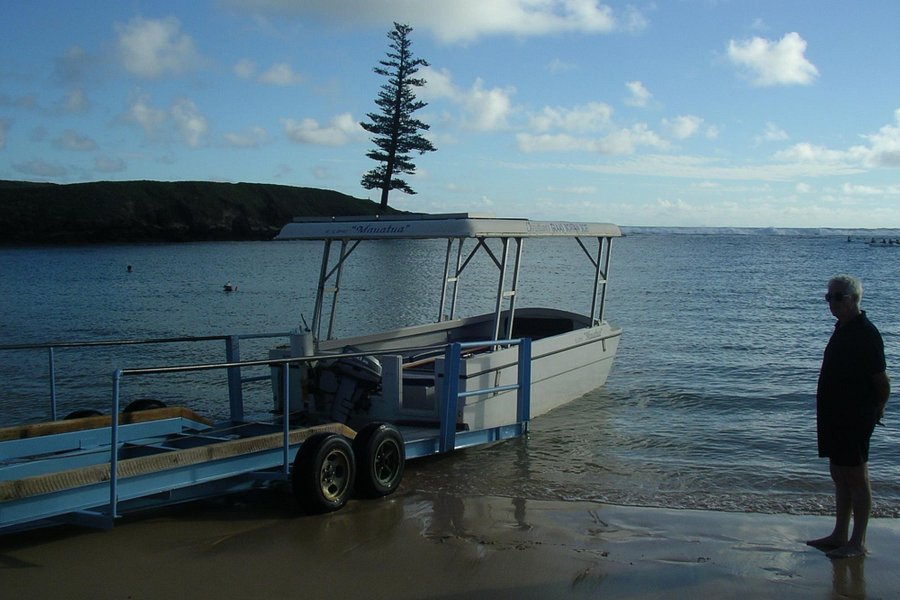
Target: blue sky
668,113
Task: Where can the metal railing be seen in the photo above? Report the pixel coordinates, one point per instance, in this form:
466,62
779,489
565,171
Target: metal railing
232,367
449,402
232,355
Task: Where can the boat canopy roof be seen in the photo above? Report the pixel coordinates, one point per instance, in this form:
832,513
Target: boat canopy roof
438,226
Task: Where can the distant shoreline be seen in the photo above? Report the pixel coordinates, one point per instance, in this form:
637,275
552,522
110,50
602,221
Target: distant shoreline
860,234
157,211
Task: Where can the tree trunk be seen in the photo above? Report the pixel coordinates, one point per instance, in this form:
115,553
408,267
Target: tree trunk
388,175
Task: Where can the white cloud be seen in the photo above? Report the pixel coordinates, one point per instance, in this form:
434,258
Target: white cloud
5,125
483,109
883,150
255,136
339,131
559,129
244,68
805,152
155,47
683,127
627,141
466,20
438,84
74,66
40,168
192,125
707,185
321,172
810,154
487,109
75,69
282,171
27,101
72,140
577,190
774,63
705,168
772,133
158,123
885,145
619,142
560,66
148,117
594,116
632,20
870,190
640,95
759,25
281,74
105,164
561,142
75,102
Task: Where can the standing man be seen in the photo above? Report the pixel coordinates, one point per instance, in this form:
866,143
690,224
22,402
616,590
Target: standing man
852,392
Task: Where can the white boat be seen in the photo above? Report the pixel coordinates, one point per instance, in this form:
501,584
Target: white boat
572,353
348,411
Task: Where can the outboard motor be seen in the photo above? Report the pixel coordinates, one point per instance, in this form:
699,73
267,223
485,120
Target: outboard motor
348,383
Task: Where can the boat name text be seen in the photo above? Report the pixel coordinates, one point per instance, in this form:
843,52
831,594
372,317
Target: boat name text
558,227
370,229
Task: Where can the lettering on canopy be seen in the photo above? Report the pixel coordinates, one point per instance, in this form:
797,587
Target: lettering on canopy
379,229
557,227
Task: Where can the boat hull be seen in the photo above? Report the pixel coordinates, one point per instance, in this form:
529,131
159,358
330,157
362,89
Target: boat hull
563,368
569,358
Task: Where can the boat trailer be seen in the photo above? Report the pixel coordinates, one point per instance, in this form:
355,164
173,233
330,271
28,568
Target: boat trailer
90,469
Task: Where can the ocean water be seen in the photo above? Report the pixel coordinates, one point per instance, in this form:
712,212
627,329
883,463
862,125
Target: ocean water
710,403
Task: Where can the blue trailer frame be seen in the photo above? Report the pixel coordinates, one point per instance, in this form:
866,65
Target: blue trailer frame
91,471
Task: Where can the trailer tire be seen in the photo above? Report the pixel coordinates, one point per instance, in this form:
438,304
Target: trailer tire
144,404
323,473
380,458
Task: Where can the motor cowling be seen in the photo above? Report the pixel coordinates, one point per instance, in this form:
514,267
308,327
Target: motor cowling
345,384
365,369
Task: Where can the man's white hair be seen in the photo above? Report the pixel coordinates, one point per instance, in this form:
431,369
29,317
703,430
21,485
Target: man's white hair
849,285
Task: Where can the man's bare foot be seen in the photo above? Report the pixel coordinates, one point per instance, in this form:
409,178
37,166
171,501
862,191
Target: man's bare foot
827,543
847,551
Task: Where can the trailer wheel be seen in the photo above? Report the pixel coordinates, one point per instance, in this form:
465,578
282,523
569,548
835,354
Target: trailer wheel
144,404
82,413
323,473
381,456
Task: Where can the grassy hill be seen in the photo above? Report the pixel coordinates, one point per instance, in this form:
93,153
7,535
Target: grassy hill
150,211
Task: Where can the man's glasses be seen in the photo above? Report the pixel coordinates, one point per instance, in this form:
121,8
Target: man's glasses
835,297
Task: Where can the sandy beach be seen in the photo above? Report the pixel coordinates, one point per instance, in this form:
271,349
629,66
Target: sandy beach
413,545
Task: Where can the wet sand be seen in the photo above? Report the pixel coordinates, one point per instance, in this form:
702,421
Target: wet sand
413,545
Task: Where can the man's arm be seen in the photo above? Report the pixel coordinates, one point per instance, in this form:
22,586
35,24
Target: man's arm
882,385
